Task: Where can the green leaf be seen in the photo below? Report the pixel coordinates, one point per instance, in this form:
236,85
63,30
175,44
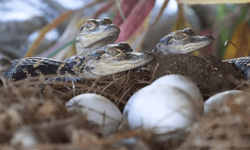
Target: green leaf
61,48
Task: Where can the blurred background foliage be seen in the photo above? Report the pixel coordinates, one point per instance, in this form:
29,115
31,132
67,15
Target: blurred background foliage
48,28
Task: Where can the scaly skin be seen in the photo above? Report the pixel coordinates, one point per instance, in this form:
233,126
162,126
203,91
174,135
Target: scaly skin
242,63
182,42
95,33
107,60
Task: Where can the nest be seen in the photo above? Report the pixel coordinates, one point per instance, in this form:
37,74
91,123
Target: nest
30,109
227,128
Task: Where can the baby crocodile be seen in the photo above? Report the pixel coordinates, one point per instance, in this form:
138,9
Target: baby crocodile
107,60
242,63
96,33
182,42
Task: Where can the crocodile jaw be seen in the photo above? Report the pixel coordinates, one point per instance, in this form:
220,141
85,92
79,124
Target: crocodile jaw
104,68
87,42
182,42
199,42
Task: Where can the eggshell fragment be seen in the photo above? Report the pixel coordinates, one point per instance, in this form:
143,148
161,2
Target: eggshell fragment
24,137
98,108
216,101
184,84
164,108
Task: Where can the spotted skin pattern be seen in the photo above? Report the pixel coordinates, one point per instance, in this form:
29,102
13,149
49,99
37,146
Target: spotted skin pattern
243,63
107,60
28,67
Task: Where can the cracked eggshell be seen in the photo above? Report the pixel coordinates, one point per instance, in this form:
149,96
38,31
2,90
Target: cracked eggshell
96,107
184,84
216,101
164,108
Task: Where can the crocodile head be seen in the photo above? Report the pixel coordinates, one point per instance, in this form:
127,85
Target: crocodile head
182,42
96,33
114,58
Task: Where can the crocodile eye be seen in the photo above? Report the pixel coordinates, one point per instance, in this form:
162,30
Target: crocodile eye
81,27
89,25
190,31
113,52
107,21
180,36
125,47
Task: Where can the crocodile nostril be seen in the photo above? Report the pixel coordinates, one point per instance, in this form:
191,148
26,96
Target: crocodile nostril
209,36
78,40
144,53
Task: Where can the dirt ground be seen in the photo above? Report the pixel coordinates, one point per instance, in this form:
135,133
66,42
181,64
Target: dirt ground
209,73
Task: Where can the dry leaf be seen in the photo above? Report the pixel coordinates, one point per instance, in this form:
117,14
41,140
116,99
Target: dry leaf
68,35
104,8
138,36
136,17
126,6
164,5
198,2
181,22
240,38
57,21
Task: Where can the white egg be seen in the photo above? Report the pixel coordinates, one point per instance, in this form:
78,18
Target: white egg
163,108
184,84
216,101
98,108
25,137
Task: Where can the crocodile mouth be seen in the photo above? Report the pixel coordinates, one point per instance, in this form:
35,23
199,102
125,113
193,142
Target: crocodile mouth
182,42
109,35
104,67
191,47
200,43
98,39
186,47
104,41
